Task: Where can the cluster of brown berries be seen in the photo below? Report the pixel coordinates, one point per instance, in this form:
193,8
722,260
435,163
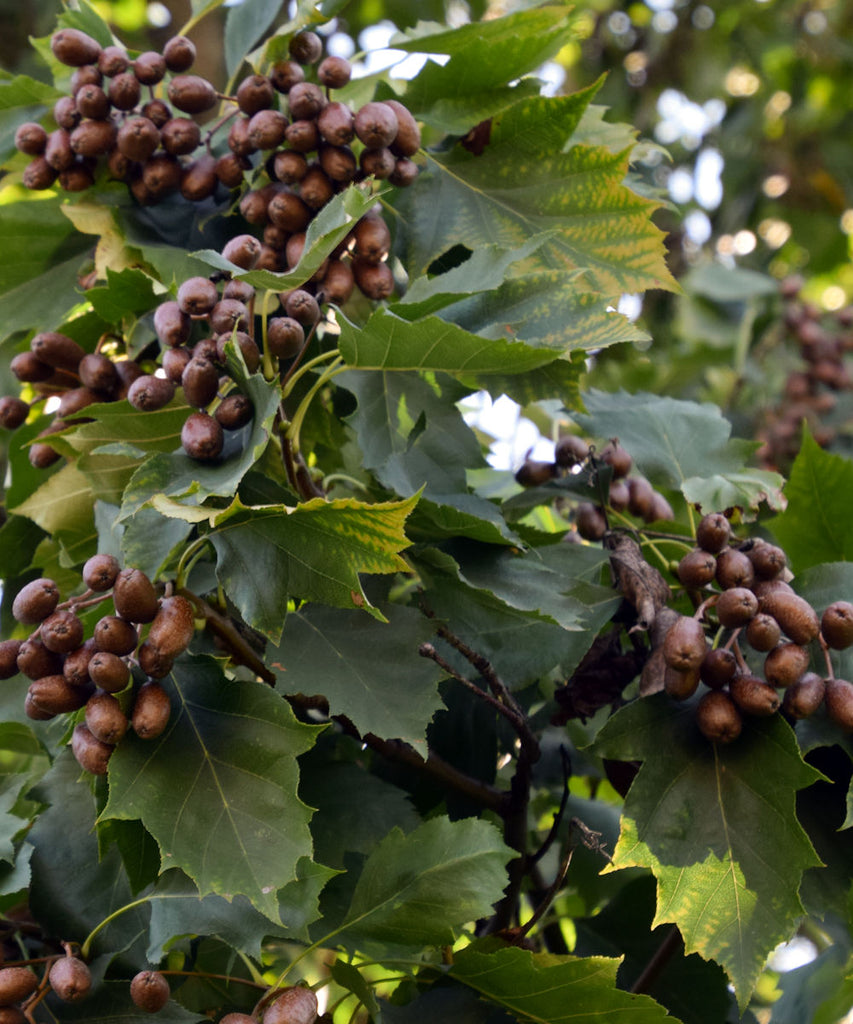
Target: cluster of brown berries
55,366
765,634
112,116
811,393
311,156
306,146
626,492
70,672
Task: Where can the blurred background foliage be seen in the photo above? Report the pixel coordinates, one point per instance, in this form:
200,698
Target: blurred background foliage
748,104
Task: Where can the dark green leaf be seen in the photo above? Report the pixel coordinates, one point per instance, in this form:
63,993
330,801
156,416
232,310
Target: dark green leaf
126,293
554,989
420,889
683,445
717,826
814,527
314,552
217,788
354,809
334,652
178,910
73,888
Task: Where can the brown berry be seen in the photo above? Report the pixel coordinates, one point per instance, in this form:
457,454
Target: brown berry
785,664
796,617
93,756
179,53
334,72
35,601
9,658
191,93
16,983
590,521
570,450
836,625
151,711
804,697
685,646
735,607
134,596
680,685
149,392
718,717
150,991
697,568
36,661
171,324
243,251
753,696
173,626
13,412
108,671
839,703
62,631
305,47
713,532
734,569
376,125
105,718
201,437
74,48
295,1006
718,668
408,139
234,411
763,632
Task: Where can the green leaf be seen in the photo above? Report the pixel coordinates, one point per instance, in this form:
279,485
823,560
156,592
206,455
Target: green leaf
544,610
522,184
413,436
24,91
354,808
178,910
814,527
422,888
244,26
554,989
387,342
65,850
683,445
62,505
334,652
484,57
126,293
717,826
24,762
325,232
313,552
217,789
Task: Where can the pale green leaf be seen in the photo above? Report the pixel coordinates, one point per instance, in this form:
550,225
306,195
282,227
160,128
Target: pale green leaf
313,552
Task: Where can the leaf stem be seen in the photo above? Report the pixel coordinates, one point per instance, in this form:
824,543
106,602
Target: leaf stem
86,947
316,361
188,558
295,425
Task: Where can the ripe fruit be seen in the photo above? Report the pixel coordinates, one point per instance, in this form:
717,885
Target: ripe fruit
179,53
713,532
305,47
151,711
197,296
108,671
74,48
697,568
718,668
785,664
684,646
796,617
149,393
150,991
718,717
589,521
836,625
641,496
839,703
734,569
768,560
173,626
376,125
100,571
533,472
56,695
804,697
105,718
16,983
191,93
115,635
763,632
9,658
202,437
35,601
680,685
134,596
70,978
62,631
243,251
735,607
753,696
295,1006
235,411
615,456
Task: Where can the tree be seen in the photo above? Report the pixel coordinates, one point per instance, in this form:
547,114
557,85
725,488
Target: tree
301,694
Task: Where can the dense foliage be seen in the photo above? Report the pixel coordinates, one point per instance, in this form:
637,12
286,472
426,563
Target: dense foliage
303,695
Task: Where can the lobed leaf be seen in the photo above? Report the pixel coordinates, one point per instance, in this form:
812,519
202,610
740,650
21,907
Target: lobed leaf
717,826
313,552
217,789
